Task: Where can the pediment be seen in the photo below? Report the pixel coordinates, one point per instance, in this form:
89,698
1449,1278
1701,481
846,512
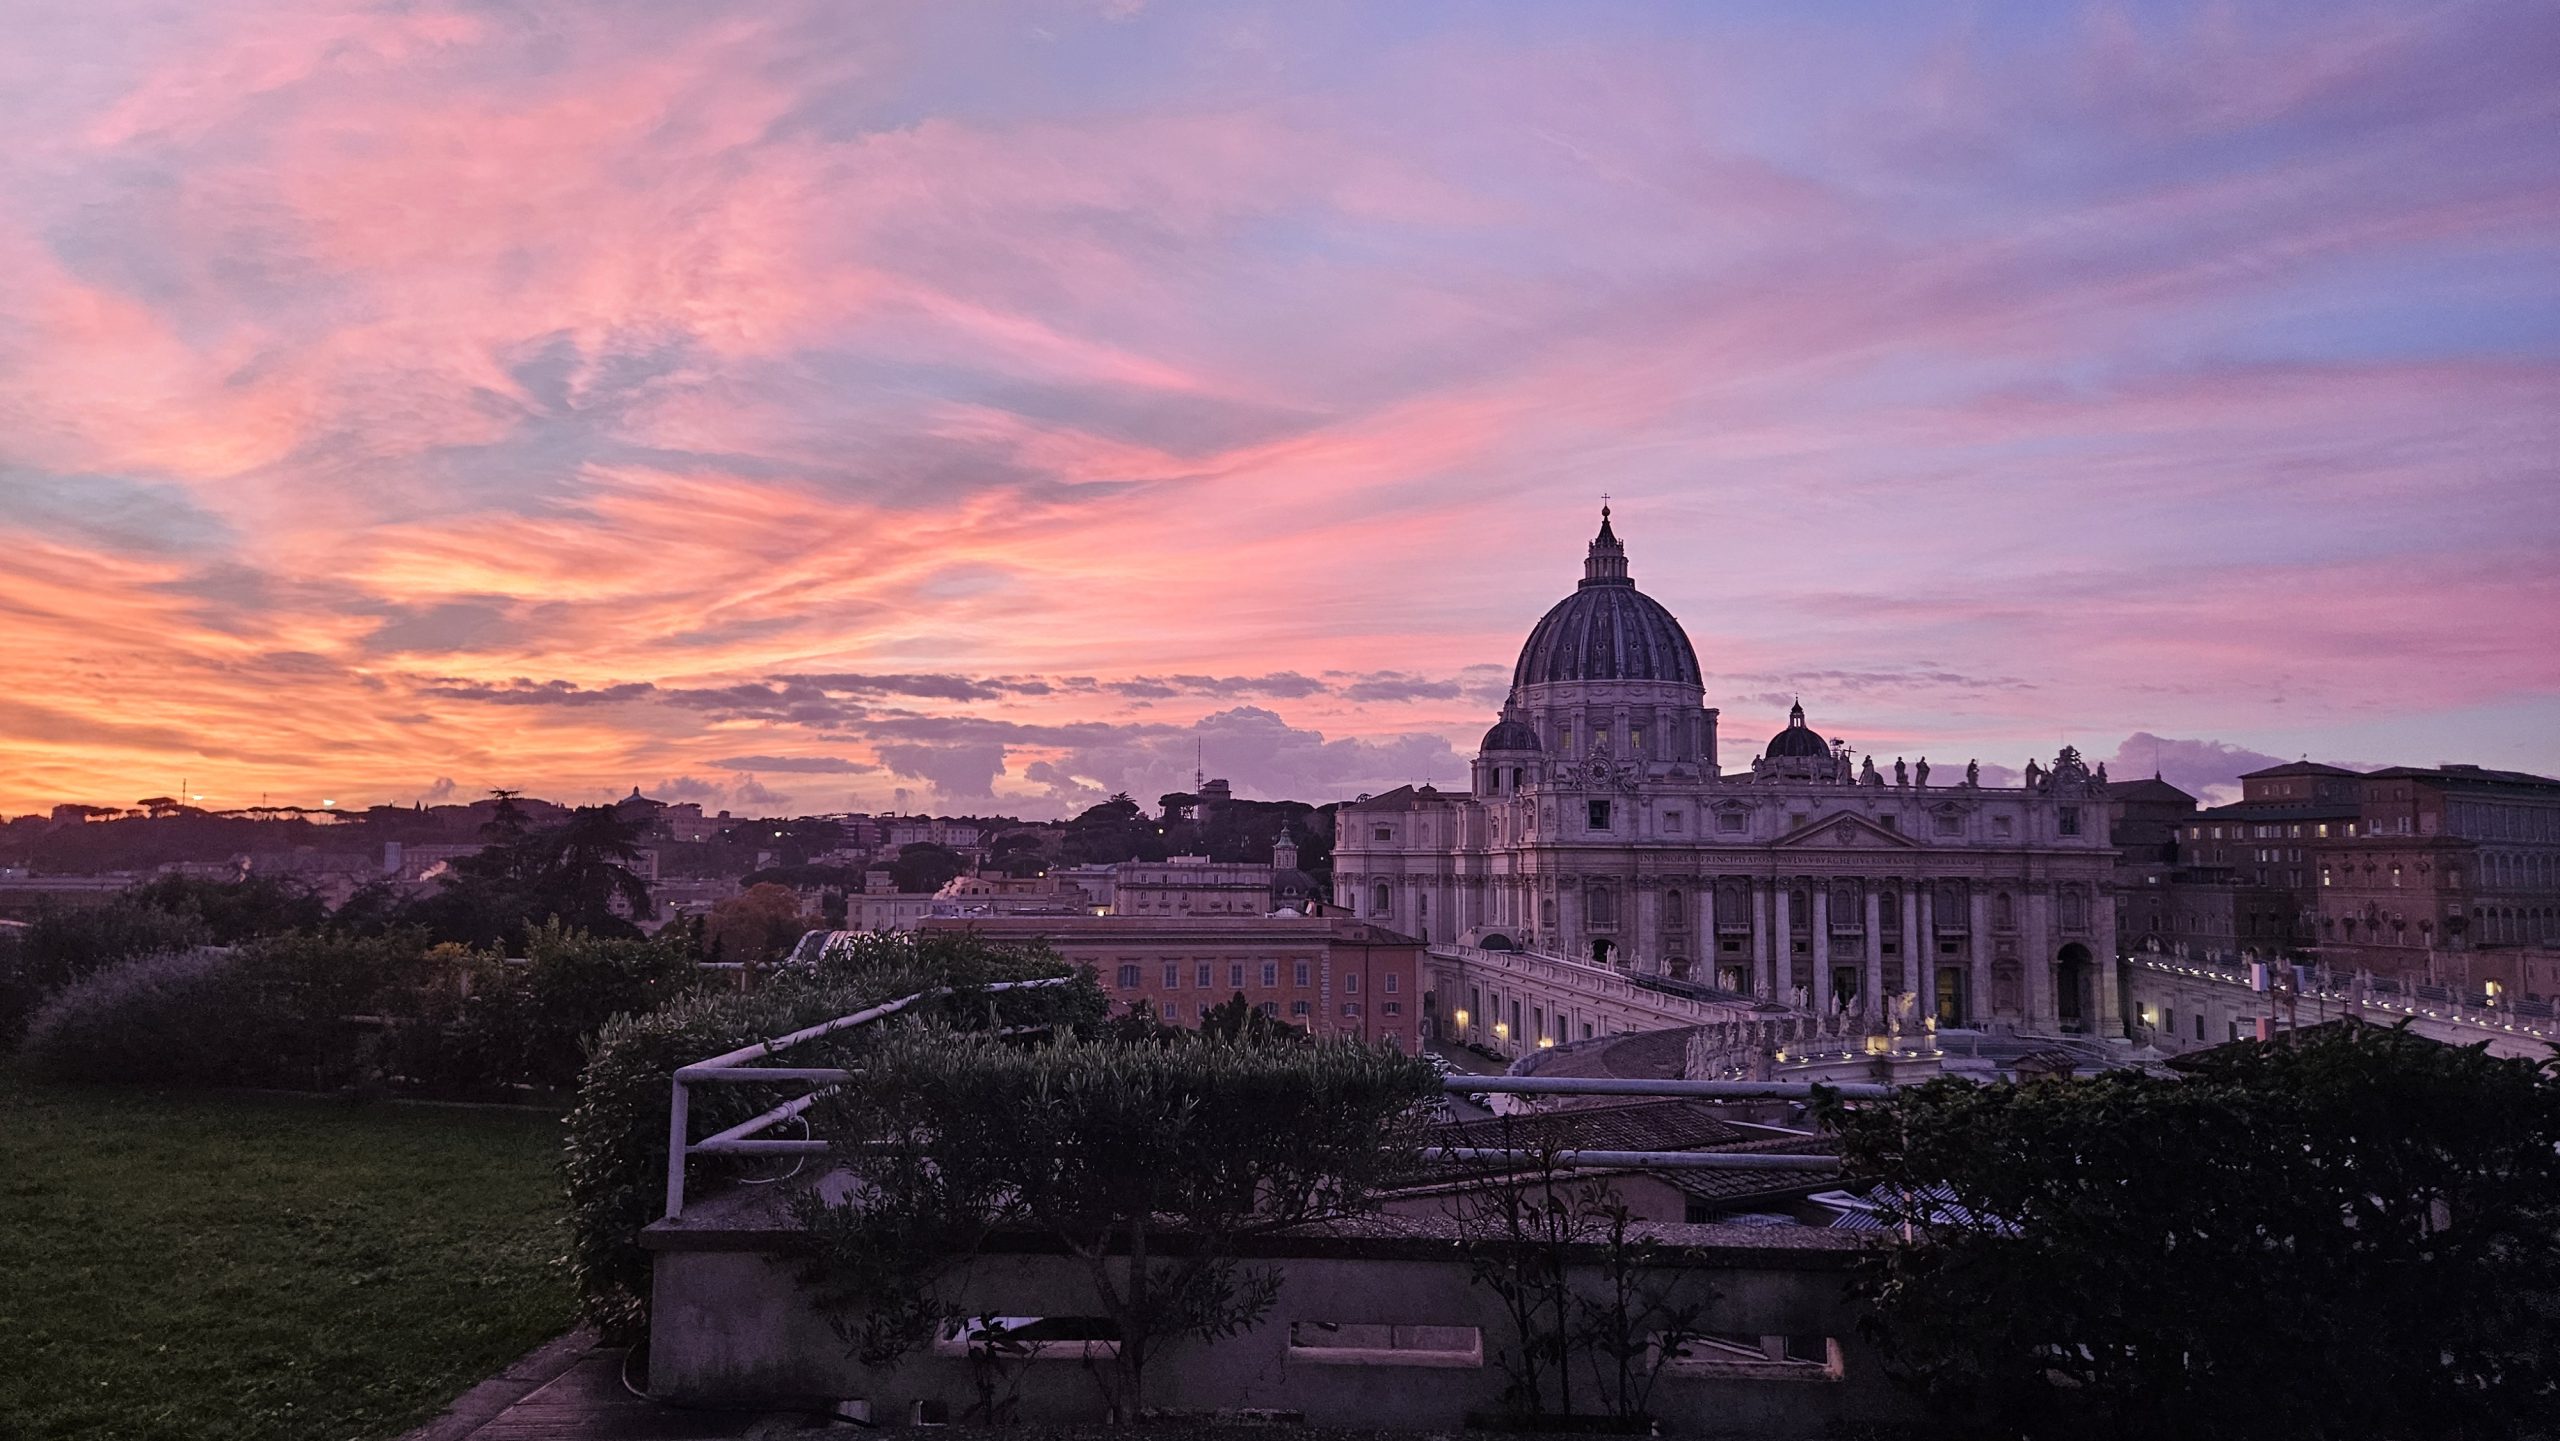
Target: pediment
1846,832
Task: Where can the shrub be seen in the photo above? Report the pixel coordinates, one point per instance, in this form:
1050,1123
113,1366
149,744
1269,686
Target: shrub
176,1018
2352,1233
615,1161
1102,1146
64,943
575,982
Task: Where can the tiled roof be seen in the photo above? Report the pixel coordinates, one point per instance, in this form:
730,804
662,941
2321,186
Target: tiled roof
1637,1126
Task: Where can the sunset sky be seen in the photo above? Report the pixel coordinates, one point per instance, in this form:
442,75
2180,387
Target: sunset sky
989,407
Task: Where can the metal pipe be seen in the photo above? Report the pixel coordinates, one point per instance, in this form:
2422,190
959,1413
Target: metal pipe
1604,1086
751,1145
886,1008
742,1075
678,1108
1648,1160
778,1114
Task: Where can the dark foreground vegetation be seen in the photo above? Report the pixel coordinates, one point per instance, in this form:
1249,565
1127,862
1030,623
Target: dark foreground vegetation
2356,1236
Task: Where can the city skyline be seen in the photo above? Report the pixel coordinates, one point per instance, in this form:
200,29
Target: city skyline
1002,407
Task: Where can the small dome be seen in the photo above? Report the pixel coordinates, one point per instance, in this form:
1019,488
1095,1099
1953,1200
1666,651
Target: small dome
1798,739
1509,735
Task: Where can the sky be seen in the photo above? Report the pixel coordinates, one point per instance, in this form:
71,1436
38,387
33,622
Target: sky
986,408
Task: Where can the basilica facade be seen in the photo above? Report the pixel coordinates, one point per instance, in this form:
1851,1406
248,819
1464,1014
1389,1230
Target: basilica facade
1600,826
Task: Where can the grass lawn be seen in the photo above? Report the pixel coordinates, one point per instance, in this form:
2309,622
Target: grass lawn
181,1266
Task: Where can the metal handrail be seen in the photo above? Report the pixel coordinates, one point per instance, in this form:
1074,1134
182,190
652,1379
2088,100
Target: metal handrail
742,1138
730,1068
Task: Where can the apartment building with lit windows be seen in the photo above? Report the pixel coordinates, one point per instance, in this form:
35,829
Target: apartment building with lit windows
1335,977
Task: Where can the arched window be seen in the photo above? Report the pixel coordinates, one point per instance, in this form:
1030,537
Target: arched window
1889,908
2004,912
1603,905
1379,900
2075,909
1675,911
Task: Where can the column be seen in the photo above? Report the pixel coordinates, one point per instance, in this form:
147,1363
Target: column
1781,943
1872,998
1978,993
1913,958
1761,984
1821,947
1644,953
1924,975
2035,957
2102,937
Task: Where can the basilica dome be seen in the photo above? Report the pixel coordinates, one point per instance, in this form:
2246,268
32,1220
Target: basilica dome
1607,629
1509,735
1798,739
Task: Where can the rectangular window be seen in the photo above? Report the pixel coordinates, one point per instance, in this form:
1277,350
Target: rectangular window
2070,820
1730,821
1173,975
1351,984
1299,975
1671,822
1947,823
1389,982
1351,1008
1599,815
1235,975
1391,1008
1635,741
1271,973
1202,978
1128,978
1300,1008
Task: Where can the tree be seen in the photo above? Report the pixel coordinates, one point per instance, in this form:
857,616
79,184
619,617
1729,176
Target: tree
1113,831
1561,1253
924,866
507,821
237,910
1237,1019
2352,1233
755,927
582,866
1150,1163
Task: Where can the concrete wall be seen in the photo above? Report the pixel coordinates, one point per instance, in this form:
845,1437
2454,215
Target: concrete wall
1365,1341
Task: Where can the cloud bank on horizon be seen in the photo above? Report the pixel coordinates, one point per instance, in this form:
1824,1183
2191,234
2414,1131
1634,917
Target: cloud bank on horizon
1001,405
